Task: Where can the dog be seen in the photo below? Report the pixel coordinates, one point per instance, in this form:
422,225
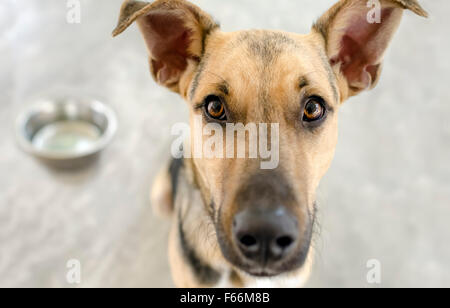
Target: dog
235,224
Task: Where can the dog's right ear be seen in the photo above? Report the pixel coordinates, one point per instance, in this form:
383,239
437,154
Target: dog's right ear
175,32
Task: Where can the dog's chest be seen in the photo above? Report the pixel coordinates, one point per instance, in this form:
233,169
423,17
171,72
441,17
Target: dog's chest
297,281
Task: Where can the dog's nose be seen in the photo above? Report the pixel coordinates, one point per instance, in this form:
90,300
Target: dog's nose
265,237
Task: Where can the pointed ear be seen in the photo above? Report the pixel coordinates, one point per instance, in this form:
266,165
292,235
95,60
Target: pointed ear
357,34
175,32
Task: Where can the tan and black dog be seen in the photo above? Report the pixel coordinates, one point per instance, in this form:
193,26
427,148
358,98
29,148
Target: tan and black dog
235,224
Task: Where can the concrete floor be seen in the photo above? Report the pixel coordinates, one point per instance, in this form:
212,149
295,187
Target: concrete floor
386,197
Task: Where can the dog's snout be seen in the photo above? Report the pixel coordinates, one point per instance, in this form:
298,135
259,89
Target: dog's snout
265,237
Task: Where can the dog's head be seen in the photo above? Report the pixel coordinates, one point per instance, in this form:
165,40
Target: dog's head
264,217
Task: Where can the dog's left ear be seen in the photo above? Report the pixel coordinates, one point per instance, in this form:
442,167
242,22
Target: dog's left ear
175,32
357,34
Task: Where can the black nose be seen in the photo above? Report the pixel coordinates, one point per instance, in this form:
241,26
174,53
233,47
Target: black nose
264,236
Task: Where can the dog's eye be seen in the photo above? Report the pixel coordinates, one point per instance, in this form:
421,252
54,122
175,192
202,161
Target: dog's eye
314,110
215,108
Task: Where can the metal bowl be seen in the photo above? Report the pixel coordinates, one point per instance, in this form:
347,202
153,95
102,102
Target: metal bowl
67,133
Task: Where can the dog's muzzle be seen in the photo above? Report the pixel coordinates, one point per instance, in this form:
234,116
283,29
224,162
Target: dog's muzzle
270,230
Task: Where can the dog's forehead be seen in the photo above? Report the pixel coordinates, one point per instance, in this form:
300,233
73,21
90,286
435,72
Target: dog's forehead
258,64
264,46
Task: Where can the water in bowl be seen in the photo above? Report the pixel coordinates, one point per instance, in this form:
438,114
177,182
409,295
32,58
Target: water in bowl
67,137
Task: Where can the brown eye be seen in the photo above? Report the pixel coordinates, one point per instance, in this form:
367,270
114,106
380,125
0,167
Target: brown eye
215,108
314,110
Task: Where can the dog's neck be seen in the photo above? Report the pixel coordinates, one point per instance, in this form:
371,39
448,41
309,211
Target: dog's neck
196,233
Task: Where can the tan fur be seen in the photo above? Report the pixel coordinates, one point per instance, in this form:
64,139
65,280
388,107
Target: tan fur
161,194
262,70
281,90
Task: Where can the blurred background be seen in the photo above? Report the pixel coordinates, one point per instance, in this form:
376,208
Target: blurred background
386,197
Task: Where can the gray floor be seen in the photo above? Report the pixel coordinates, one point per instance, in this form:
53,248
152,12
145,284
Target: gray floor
387,196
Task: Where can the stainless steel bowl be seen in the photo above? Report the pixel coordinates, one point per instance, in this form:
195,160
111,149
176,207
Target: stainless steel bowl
66,133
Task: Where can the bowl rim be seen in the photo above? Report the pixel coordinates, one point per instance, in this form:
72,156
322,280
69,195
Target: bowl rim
105,138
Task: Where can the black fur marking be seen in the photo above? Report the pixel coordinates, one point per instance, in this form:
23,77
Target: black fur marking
223,87
303,82
204,273
198,74
206,34
330,74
